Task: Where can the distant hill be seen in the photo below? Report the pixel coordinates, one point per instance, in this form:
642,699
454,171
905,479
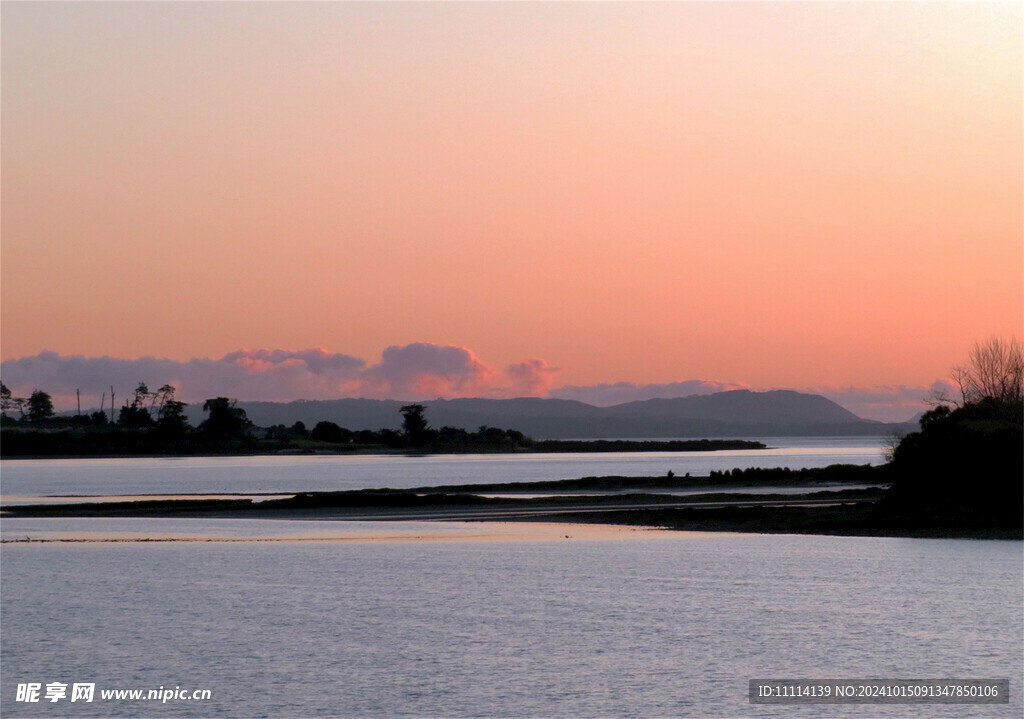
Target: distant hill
738,413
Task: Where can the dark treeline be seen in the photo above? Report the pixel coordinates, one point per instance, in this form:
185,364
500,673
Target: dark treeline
154,423
416,434
151,423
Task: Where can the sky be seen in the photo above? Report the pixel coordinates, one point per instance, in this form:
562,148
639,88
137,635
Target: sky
455,199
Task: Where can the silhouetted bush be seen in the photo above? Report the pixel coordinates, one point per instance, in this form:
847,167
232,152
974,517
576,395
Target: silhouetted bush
964,463
330,432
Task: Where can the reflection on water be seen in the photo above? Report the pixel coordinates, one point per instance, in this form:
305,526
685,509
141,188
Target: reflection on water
36,531
41,528
650,627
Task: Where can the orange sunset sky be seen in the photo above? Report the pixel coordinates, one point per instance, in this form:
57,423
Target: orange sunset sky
802,195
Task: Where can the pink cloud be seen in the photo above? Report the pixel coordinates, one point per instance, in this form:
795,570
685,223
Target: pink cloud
416,371
317,361
246,374
531,378
425,371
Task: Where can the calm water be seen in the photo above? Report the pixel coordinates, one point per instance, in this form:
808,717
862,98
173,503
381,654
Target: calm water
33,478
661,624
665,625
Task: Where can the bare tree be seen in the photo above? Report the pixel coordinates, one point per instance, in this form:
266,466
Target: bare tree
995,369
890,443
8,402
